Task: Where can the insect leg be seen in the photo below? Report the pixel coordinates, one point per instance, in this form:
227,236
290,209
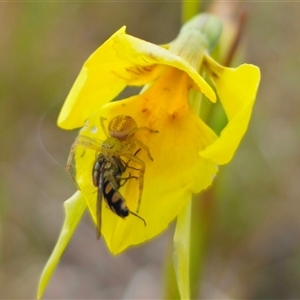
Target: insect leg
138,217
127,178
126,164
141,177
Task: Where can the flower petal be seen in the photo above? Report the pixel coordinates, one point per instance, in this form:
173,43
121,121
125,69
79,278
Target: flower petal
236,88
74,208
122,60
96,84
170,178
144,53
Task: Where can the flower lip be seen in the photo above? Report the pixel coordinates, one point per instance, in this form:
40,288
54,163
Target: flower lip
122,60
162,107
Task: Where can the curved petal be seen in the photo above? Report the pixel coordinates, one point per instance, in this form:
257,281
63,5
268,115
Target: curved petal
144,53
122,60
96,84
74,209
236,88
176,172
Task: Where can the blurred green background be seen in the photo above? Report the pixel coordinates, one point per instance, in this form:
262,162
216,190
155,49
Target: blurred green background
253,250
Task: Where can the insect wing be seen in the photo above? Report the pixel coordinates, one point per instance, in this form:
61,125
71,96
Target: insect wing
99,205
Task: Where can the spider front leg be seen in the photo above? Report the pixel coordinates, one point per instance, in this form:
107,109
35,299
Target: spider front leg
132,144
134,130
102,119
85,142
143,146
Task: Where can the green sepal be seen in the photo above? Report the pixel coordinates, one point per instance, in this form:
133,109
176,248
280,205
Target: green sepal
74,209
196,38
208,25
181,254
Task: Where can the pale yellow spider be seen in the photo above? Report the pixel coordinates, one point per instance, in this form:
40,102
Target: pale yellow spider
110,165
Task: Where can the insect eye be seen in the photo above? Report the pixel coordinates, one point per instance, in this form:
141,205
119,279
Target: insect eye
120,126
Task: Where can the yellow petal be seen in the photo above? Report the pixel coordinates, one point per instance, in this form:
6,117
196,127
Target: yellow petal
122,60
236,88
74,209
96,84
176,172
144,53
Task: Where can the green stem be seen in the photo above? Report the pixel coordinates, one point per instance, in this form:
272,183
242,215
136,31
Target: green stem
194,222
189,9
182,251
201,220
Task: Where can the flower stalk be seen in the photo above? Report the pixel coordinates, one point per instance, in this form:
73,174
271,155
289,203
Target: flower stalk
194,223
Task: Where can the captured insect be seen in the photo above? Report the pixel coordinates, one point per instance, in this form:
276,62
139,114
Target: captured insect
114,156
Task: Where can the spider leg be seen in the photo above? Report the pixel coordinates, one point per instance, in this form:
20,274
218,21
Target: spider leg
129,145
126,164
86,143
133,131
102,119
144,147
132,142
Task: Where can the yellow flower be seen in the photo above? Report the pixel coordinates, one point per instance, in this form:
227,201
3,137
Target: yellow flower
186,152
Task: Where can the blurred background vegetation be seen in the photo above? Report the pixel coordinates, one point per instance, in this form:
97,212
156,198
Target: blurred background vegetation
253,249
